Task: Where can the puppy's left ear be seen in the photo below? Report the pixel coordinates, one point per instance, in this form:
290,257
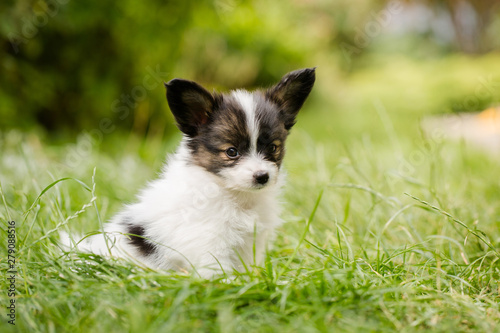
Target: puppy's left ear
291,93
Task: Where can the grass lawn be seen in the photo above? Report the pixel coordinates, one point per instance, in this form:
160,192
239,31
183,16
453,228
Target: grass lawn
388,229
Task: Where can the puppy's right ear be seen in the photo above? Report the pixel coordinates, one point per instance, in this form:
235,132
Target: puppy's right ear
190,103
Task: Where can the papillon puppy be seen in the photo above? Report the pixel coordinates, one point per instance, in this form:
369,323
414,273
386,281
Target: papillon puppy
216,204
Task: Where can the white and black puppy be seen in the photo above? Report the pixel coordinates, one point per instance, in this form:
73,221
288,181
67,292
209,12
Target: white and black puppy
216,204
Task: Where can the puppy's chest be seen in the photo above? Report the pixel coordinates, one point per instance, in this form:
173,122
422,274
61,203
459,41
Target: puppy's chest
244,219
235,221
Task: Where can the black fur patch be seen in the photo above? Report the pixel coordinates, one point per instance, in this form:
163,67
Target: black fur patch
272,130
226,128
137,239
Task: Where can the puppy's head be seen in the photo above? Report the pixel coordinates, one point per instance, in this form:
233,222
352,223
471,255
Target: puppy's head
240,136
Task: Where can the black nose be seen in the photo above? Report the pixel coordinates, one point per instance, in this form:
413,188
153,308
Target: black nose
261,177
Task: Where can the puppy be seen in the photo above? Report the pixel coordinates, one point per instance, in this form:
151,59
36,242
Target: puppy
215,205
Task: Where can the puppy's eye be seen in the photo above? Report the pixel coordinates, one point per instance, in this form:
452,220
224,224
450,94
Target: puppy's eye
273,148
232,153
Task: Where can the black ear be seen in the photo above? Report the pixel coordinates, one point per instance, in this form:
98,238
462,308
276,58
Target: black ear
291,93
190,103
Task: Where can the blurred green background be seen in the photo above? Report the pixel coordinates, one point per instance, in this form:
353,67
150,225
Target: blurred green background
71,66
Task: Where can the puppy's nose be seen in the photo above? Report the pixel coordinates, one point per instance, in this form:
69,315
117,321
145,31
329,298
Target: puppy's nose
261,177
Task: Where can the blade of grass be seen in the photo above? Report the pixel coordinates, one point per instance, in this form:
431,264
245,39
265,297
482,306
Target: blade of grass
306,230
379,195
5,203
448,215
48,188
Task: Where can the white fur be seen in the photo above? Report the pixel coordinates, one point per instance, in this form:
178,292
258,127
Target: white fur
198,219
248,105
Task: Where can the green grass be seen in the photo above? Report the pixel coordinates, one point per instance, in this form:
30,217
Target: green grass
387,229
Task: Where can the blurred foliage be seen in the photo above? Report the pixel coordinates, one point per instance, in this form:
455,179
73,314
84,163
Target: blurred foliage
471,21
69,66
